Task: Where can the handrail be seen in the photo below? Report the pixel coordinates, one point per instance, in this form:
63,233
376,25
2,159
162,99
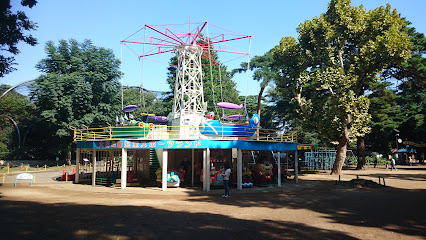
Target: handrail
178,132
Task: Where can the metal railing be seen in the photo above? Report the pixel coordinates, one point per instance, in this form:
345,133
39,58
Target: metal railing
161,132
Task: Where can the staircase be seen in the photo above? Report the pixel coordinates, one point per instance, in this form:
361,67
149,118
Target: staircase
252,160
153,164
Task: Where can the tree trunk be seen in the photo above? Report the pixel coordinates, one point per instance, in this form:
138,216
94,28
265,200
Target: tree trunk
341,148
360,143
340,155
68,159
361,153
259,109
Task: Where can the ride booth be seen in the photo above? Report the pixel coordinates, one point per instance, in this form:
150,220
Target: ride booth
125,157
184,168
261,168
104,167
218,158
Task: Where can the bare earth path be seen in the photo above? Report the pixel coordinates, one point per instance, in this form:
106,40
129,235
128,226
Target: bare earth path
316,208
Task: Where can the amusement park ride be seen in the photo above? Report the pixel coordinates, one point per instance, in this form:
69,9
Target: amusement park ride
189,121
189,107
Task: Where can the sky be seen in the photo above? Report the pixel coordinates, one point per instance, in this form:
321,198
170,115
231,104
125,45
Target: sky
107,22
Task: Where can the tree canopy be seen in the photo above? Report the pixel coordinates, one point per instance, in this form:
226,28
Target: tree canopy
79,88
263,71
148,101
398,105
16,113
336,57
13,27
411,92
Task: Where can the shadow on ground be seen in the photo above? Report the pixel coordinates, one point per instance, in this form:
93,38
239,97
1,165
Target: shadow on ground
374,206
397,210
28,220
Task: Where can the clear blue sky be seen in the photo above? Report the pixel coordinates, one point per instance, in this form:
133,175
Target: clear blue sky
107,22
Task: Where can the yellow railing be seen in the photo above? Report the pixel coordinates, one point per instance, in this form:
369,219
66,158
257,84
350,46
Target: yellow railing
161,132
273,135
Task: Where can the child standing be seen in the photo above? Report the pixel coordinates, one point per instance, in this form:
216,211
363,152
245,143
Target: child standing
226,175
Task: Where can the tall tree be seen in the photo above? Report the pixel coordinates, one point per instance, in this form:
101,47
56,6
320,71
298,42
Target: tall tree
263,67
411,90
12,28
80,87
16,112
331,65
385,115
398,102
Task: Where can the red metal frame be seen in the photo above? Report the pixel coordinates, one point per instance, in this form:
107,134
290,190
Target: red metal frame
170,38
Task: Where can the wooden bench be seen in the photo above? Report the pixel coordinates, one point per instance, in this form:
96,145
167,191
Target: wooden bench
101,181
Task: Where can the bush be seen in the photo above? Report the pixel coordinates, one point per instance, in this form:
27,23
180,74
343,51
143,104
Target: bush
351,160
374,156
370,159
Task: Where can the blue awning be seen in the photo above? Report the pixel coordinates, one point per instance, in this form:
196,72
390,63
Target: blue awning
406,150
190,144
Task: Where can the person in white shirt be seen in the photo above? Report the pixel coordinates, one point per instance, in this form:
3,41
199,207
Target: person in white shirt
225,176
393,164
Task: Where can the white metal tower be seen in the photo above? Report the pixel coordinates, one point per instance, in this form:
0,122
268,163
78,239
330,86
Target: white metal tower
189,107
189,97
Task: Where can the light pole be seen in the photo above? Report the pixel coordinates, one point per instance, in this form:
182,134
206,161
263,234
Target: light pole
396,136
398,140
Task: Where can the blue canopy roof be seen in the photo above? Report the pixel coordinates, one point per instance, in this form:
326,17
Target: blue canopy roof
406,150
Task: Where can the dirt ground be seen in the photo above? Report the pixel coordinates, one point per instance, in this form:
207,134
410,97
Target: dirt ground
315,208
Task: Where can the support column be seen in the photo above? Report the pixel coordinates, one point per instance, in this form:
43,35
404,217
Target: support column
204,170
111,161
286,161
123,168
77,166
239,170
192,168
94,167
279,168
164,170
296,167
208,170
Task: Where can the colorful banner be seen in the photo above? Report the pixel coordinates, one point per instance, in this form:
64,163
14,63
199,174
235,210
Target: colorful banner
188,144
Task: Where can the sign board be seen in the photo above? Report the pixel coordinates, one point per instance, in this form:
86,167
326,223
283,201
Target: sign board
189,144
24,176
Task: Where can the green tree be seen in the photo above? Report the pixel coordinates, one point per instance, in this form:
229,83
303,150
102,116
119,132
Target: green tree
80,87
411,90
399,101
269,118
12,28
16,114
148,102
385,117
263,71
331,65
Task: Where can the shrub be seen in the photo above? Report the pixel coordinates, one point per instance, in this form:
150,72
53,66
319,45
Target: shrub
351,160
